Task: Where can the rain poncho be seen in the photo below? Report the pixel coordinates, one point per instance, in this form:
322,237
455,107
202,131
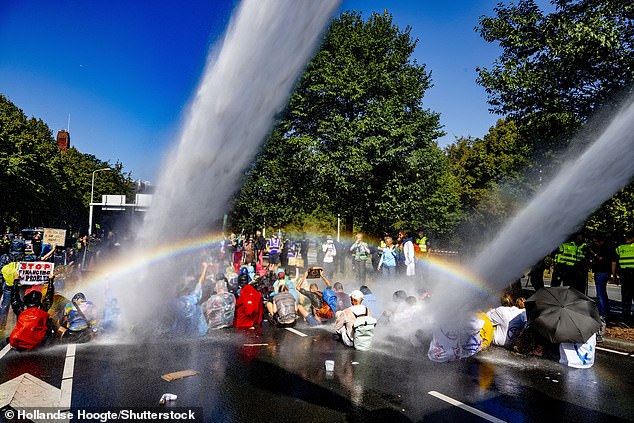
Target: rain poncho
249,308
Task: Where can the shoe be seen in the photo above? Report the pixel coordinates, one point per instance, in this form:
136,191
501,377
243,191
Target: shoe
599,339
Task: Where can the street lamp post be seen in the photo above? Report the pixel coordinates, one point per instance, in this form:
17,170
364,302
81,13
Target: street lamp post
92,191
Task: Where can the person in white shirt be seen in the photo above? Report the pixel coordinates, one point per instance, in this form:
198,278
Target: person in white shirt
345,318
509,320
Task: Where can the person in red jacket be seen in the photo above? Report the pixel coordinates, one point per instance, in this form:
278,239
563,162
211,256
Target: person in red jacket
249,308
34,326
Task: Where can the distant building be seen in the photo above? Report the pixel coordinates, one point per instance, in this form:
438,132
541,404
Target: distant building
63,140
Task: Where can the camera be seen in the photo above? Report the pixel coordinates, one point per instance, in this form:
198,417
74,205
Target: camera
314,272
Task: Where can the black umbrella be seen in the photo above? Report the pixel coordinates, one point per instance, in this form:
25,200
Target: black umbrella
563,314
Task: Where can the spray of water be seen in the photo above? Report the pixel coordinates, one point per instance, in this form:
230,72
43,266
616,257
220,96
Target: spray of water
581,186
248,79
265,49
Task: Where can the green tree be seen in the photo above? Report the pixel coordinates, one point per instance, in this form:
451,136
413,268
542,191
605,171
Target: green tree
557,72
356,139
491,174
41,185
558,68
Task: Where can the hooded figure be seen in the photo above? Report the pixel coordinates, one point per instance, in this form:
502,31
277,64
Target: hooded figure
34,325
249,308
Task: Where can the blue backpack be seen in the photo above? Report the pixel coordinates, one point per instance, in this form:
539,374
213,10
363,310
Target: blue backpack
330,298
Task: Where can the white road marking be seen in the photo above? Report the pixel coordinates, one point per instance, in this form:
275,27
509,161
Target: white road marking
614,351
5,350
296,332
67,378
465,407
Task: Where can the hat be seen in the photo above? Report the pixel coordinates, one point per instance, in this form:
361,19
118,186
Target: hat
329,237
280,270
37,288
357,295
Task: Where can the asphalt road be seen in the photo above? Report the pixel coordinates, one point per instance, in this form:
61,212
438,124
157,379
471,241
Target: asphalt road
278,375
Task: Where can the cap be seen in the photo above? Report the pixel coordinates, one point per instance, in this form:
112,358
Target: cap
37,288
357,295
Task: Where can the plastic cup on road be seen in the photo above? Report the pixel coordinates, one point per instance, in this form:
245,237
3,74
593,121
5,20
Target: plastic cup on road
330,365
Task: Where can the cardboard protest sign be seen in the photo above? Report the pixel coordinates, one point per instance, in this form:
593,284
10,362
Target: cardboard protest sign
54,237
34,272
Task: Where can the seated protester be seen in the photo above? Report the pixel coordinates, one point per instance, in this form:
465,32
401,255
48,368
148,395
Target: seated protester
249,308
34,326
455,340
531,342
343,299
344,324
398,302
189,319
370,301
579,356
508,320
111,316
283,308
320,310
219,309
283,279
79,320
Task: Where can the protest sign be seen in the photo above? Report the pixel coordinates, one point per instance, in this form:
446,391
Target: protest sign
34,272
54,237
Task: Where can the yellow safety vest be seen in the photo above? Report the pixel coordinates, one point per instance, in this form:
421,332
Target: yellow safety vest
570,253
626,256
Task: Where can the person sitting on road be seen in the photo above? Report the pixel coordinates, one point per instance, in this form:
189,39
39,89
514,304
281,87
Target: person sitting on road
461,338
283,308
189,319
320,311
79,320
219,309
508,320
343,299
34,327
249,308
371,301
398,302
345,318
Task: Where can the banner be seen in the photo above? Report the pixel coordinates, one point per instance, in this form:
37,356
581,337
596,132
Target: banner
34,272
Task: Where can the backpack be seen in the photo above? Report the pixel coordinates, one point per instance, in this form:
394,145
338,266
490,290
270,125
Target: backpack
330,298
30,329
363,331
325,312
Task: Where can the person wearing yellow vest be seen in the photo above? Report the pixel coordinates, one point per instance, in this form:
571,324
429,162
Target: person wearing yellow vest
571,265
625,267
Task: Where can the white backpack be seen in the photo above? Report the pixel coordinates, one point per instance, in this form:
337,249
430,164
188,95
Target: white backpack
363,331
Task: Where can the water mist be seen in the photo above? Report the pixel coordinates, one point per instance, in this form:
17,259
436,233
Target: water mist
246,82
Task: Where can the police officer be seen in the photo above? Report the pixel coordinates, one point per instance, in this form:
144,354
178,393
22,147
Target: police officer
625,266
571,265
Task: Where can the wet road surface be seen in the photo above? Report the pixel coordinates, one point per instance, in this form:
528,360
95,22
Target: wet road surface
278,375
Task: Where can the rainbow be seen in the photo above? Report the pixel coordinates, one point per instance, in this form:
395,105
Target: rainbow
135,261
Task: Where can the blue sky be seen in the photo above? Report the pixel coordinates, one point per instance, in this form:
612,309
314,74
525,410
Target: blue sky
124,71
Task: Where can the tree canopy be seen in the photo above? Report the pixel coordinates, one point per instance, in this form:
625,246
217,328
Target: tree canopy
355,141
557,69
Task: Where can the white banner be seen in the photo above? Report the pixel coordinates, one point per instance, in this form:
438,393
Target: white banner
34,272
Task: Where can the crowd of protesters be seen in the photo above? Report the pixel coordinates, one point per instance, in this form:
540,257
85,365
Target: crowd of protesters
245,281
49,310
